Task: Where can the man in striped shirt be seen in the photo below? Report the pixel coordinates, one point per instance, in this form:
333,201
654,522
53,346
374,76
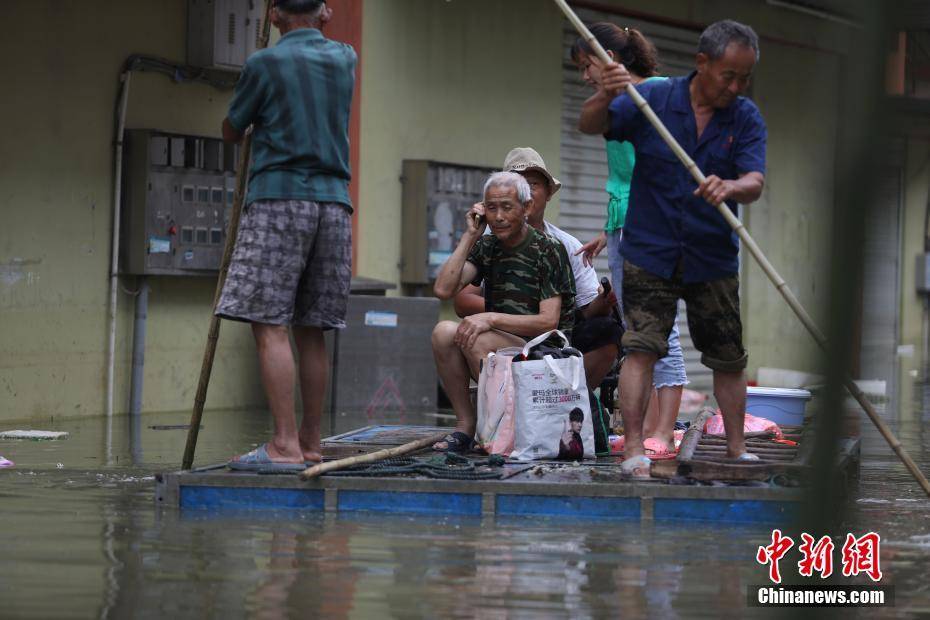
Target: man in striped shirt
292,264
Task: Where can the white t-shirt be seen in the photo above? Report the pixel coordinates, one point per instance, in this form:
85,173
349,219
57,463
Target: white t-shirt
586,284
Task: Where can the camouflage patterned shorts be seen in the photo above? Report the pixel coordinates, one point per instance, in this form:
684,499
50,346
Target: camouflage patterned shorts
650,304
292,265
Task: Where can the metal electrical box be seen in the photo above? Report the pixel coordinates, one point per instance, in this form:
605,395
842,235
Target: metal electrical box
221,34
177,194
922,271
436,197
382,363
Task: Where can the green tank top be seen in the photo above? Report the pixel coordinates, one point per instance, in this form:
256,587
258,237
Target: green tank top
620,161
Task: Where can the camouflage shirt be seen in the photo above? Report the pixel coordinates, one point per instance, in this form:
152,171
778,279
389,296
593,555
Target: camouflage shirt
516,280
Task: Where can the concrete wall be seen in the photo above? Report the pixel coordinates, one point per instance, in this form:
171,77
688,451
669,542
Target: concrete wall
56,162
791,223
462,82
916,201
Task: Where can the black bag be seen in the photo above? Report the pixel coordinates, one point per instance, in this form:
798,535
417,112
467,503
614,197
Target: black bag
601,419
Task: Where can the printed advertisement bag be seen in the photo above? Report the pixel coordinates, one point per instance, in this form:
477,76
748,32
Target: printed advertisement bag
552,413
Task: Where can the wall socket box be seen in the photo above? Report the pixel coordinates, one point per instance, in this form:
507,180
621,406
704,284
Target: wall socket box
221,34
178,192
436,197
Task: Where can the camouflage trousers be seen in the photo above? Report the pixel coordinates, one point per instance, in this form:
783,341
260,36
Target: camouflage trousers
651,302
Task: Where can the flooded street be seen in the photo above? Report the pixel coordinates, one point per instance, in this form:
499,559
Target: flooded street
82,538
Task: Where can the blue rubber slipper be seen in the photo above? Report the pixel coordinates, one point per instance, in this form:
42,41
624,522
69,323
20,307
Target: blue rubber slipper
258,460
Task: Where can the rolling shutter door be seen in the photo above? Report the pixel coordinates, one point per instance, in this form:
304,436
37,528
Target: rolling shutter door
584,161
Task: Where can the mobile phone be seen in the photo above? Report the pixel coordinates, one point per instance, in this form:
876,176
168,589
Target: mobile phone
605,284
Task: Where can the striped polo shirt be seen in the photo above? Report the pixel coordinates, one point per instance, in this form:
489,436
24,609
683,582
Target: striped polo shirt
297,95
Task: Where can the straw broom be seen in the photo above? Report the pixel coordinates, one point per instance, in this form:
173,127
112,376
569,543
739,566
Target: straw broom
213,334
750,244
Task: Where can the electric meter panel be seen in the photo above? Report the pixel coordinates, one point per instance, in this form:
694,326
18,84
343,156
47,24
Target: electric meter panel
178,193
436,197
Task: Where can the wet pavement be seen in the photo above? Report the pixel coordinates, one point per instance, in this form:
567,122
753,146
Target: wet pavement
82,538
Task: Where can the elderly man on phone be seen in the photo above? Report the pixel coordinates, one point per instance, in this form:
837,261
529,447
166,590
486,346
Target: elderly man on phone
529,290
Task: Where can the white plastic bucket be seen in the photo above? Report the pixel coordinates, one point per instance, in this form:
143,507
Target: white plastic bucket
780,405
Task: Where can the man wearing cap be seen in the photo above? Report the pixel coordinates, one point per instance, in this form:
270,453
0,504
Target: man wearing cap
596,333
291,268
529,291
675,243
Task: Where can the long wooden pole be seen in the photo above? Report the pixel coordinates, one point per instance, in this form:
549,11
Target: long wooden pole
750,244
213,334
692,437
371,457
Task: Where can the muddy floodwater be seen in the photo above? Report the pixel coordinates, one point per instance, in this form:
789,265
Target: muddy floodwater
81,538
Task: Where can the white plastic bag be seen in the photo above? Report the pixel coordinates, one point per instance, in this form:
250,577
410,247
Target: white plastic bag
552,413
495,429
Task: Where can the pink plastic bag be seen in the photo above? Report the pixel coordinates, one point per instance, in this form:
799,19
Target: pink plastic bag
691,401
494,432
752,424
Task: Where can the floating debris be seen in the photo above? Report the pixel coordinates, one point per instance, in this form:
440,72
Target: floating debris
37,435
5,462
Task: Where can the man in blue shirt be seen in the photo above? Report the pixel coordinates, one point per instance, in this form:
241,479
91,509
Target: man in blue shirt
292,262
675,242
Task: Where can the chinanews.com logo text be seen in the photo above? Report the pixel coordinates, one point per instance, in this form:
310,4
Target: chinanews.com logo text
859,555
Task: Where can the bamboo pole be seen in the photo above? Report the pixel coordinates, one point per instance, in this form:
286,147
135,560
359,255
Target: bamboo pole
750,244
213,333
692,437
371,457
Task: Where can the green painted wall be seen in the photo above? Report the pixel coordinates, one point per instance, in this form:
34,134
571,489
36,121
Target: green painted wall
56,162
461,82
791,223
916,201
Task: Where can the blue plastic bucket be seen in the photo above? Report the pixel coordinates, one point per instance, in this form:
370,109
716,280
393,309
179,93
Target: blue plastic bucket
780,405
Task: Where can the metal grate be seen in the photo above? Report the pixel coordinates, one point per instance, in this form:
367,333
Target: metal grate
231,29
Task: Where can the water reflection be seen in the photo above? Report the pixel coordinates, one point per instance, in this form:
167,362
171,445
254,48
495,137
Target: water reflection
85,540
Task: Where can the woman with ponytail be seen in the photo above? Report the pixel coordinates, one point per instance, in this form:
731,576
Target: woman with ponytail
629,47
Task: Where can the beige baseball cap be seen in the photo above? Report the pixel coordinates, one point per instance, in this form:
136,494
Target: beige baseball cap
524,158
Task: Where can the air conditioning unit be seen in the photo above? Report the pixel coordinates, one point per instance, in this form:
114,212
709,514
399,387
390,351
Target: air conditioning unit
221,34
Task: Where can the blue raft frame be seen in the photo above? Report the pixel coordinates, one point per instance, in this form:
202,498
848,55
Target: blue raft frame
591,490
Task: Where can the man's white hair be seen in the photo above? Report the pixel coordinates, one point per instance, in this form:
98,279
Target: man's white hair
511,180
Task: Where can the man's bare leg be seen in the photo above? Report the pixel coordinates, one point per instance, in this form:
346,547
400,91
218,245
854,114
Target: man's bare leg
456,367
276,362
454,374
635,387
313,374
730,391
597,364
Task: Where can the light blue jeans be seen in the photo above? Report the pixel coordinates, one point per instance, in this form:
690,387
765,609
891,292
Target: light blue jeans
670,370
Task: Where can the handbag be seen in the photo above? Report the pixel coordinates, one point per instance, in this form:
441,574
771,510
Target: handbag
494,432
552,413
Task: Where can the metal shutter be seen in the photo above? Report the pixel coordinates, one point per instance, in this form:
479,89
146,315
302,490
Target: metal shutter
584,162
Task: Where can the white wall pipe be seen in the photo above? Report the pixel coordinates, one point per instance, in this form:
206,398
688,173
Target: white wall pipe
114,257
